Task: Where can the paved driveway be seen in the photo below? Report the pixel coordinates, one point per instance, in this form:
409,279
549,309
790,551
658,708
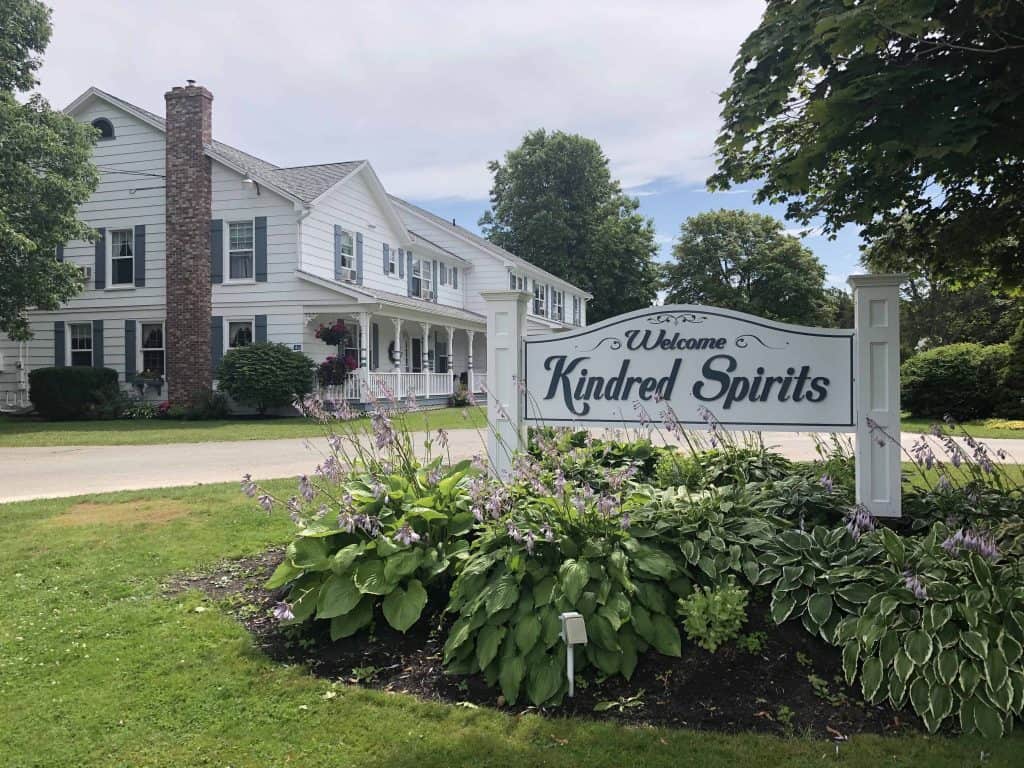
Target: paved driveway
32,473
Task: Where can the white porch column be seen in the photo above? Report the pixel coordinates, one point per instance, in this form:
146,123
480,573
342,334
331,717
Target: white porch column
425,347
451,350
398,344
469,358
876,300
364,355
506,327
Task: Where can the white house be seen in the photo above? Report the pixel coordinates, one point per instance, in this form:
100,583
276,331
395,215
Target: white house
203,247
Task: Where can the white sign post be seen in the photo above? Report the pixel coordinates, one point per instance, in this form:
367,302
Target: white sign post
748,372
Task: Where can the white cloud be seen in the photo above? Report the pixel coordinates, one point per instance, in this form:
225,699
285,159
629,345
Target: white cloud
429,92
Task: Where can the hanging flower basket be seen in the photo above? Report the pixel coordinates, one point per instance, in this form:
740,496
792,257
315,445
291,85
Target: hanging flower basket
333,334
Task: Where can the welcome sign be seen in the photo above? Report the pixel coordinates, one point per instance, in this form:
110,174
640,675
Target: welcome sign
749,372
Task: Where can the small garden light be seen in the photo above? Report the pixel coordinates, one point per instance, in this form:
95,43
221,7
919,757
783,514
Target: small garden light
574,632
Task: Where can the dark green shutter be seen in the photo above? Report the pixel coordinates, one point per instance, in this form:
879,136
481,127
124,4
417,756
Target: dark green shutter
140,255
455,277
337,252
261,328
374,347
261,249
60,253
129,350
59,355
359,258
384,250
97,343
401,263
433,281
99,269
216,251
408,273
216,342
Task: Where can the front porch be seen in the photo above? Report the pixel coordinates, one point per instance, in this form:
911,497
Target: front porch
388,356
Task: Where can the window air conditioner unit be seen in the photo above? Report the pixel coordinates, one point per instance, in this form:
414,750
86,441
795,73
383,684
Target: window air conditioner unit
348,274
86,273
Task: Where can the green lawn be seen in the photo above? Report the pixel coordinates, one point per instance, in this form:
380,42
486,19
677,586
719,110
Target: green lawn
18,432
984,428
99,668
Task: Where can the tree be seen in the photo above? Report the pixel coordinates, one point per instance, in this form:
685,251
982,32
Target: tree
901,117
935,311
744,261
46,172
555,204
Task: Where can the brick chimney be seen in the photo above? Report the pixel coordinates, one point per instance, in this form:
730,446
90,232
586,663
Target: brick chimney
189,203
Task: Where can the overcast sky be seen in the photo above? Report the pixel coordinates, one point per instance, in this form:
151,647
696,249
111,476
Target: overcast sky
429,92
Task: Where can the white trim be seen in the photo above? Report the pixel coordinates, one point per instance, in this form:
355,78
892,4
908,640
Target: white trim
108,246
67,343
139,367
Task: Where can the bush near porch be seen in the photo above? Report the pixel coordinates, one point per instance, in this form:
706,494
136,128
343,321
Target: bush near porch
926,615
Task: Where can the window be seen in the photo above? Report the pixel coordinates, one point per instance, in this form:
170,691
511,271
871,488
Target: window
81,344
539,295
558,305
516,282
442,273
441,361
421,279
122,257
346,253
104,126
577,303
152,347
239,333
240,250
390,260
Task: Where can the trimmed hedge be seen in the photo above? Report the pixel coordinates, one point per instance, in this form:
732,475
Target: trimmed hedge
265,375
1010,402
958,380
72,393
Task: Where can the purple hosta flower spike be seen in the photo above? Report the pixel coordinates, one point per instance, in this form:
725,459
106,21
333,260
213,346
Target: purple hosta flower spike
378,490
559,483
549,535
606,505
434,476
478,514
827,483
346,522
529,539
624,522
514,533
913,583
266,501
859,521
248,485
406,535
306,489
442,437
383,432
294,509
283,612
971,541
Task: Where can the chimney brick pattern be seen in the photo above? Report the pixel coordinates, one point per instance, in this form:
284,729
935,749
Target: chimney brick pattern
189,200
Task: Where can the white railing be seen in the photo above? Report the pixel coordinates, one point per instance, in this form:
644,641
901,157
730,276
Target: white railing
384,385
14,400
479,382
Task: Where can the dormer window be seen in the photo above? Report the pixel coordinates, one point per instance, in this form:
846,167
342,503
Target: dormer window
105,127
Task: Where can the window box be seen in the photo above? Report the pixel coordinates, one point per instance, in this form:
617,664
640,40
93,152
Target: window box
148,380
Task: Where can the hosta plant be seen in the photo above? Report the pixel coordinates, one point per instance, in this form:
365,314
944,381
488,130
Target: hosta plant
551,555
714,615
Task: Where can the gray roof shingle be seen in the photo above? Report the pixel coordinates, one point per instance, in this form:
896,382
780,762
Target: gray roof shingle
308,182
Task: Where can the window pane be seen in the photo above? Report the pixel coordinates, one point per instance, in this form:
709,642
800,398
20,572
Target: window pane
81,336
123,271
81,359
240,236
121,243
346,243
239,334
241,265
153,361
152,336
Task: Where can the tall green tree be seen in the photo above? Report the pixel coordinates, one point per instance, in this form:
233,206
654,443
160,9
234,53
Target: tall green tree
900,116
555,204
46,172
744,261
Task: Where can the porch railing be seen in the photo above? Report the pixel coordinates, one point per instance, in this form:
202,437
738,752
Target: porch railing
479,382
380,385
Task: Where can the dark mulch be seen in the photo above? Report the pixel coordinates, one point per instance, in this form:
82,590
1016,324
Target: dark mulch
793,684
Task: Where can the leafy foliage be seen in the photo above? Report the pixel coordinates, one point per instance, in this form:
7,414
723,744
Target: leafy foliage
72,392
265,375
555,204
818,108
744,261
959,381
714,615
1011,399
717,467
46,172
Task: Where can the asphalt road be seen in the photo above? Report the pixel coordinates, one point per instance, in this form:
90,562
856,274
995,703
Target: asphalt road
33,473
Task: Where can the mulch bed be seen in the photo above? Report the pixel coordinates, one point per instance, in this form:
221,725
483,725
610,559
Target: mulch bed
792,684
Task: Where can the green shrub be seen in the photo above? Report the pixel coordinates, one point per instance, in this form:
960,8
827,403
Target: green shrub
1010,403
714,615
265,375
728,465
206,404
960,381
72,392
